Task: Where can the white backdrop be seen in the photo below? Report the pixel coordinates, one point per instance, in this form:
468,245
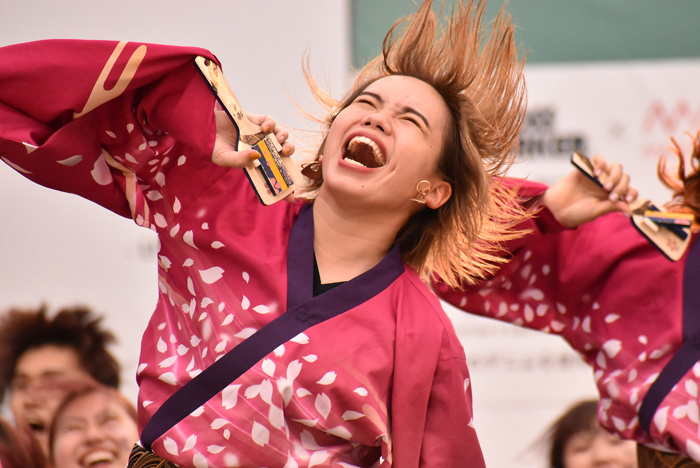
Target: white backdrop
88,255
626,111
521,379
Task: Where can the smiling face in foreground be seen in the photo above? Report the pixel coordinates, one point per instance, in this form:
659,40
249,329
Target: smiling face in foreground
384,143
599,449
39,384
93,430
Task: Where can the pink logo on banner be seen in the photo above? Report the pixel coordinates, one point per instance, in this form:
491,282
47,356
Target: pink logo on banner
679,117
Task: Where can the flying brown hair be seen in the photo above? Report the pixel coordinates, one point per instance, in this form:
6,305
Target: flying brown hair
685,187
479,76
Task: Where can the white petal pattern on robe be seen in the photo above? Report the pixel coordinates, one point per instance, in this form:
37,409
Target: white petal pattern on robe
229,396
72,161
323,405
260,434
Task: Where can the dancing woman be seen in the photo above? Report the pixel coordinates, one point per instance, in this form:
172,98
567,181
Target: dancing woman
403,190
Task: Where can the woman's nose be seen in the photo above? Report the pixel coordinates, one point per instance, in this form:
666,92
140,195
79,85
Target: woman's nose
93,433
378,120
603,452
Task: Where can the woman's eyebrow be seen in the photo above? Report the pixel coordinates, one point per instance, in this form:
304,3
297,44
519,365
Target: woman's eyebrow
70,420
404,109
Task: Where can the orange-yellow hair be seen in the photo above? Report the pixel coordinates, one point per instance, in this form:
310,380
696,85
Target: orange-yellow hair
685,187
479,75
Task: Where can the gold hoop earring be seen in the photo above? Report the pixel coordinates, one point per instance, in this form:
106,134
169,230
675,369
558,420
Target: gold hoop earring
420,199
311,170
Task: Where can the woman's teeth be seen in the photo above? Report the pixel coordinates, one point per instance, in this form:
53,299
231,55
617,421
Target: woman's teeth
364,152
94,458
356,163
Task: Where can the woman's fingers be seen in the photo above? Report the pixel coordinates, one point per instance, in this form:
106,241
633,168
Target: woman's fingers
599,164
224,155
288,149
615,181
268,125
618,190
614,176
265,122
282,136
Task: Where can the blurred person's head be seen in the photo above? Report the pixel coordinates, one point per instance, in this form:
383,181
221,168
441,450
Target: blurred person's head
18,449
578,441
95,426
43,358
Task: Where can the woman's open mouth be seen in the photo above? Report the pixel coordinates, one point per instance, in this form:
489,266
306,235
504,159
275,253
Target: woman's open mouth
362,151
98,458
36,424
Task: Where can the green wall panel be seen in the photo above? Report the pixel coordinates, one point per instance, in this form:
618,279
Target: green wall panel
562,30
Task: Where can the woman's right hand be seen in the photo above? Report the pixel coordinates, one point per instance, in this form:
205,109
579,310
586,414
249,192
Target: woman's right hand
225,153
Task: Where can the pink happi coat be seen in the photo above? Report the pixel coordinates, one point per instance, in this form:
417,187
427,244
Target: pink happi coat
616,300
130,126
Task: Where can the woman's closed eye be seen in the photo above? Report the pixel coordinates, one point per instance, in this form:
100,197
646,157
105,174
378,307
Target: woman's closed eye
365,100
580,442
413,120
72,426
110,420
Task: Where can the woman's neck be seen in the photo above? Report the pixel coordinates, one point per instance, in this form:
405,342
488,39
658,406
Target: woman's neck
347,244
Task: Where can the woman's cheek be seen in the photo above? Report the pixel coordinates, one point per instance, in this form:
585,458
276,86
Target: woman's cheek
64,450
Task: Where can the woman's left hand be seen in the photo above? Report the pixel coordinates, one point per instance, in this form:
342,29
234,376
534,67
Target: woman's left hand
574,199
225,153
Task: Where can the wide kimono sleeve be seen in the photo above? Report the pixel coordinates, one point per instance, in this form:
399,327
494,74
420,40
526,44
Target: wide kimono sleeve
554,276
599,286
109,121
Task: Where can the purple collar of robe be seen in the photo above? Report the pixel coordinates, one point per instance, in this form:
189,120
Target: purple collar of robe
303,311
300,273
689,352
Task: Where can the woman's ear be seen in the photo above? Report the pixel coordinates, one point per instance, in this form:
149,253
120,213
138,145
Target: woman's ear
438,195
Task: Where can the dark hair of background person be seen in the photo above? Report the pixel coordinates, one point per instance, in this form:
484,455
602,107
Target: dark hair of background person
582,417
18,448
77,328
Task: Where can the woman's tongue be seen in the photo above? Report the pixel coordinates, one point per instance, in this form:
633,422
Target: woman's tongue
363,154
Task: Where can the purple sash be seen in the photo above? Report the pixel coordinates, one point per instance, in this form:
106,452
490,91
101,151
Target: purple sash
689,352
